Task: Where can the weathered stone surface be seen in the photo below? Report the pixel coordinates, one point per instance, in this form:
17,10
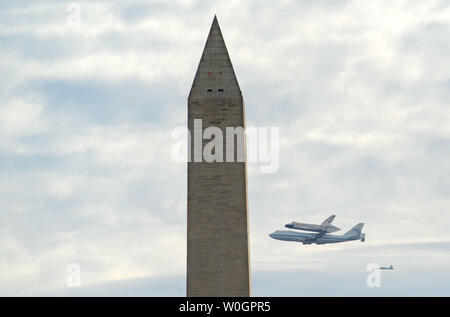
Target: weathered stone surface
217,224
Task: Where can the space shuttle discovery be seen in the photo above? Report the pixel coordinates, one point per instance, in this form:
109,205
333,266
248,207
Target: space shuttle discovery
324,227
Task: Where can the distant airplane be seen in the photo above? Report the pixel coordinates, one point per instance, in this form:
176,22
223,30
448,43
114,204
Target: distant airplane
325,227
309,238
386,267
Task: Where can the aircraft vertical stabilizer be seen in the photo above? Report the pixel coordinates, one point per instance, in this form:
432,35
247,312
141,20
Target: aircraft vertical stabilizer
355,231
328,220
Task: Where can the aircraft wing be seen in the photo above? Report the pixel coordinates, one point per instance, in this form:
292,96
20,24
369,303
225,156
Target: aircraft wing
312,238
327,226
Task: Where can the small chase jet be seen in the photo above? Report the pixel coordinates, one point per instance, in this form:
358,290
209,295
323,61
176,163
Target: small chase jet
386,267
325,227
320,238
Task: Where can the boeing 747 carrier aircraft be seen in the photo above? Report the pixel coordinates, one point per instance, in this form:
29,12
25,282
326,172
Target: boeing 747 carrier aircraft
320,238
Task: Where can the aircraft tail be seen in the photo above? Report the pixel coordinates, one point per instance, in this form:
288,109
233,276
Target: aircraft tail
356,230
329,220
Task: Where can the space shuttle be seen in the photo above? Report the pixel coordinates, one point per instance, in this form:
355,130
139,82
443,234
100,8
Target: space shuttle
324,227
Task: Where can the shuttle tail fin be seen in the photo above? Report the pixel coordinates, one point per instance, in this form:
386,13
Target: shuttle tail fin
329,220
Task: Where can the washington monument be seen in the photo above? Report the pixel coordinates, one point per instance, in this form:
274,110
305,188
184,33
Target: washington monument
217,214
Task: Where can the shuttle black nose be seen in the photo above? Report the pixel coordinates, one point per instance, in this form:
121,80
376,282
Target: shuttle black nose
290,226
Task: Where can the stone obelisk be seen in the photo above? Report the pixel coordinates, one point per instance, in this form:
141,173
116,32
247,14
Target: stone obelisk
218,261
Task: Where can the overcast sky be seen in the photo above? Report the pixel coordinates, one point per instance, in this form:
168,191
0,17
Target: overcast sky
360,91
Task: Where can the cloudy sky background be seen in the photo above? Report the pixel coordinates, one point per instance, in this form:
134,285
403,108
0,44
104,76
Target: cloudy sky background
359,89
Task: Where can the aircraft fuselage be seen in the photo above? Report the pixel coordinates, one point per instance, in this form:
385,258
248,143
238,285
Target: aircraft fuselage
324,228
309,238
